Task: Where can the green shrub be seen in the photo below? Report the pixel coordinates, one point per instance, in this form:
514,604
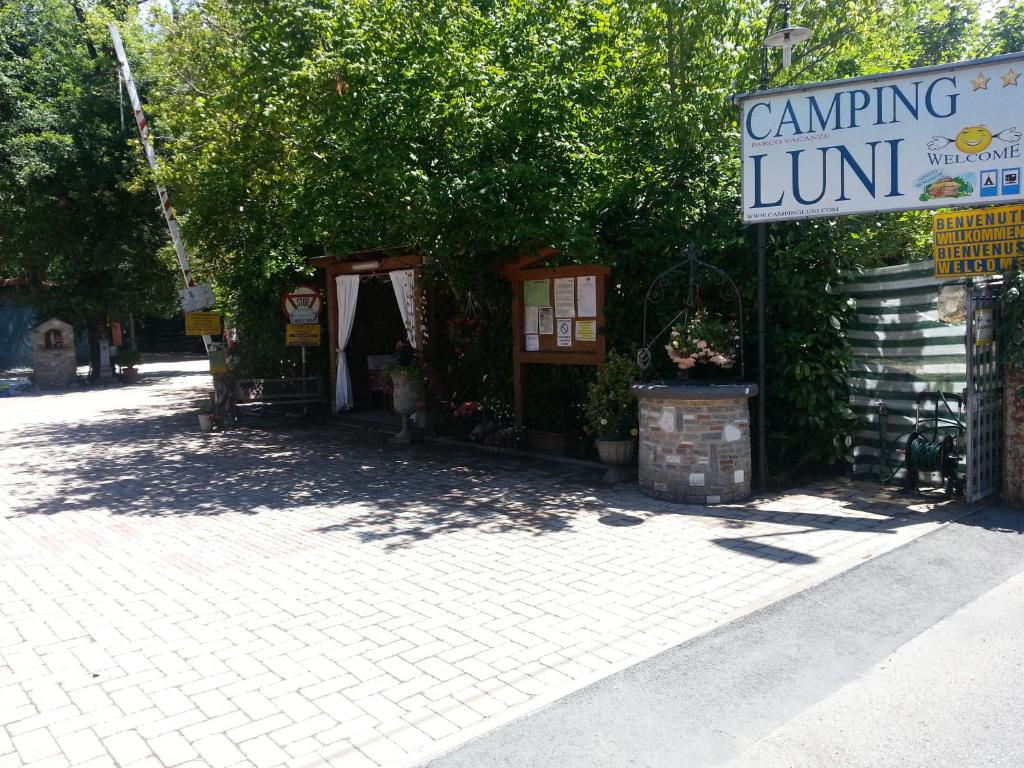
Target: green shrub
611,409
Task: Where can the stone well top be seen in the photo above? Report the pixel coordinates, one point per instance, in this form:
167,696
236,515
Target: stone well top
679,390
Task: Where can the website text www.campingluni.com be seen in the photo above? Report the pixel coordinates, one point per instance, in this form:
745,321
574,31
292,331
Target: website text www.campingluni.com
821,211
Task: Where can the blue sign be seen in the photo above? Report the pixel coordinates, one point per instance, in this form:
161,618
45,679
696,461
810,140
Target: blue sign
1011,181
990,183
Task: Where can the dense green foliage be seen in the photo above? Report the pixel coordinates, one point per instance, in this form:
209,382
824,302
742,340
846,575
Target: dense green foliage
72,212
476,131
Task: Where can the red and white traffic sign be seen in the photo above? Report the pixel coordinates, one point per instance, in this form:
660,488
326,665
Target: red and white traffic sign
302,305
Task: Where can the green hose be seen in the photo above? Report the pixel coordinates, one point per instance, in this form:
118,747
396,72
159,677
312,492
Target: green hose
927,456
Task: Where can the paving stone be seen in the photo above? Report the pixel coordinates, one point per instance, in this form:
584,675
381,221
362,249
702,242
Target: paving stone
126,747
218,751
35,745
172,749
263,752
229,600
81,746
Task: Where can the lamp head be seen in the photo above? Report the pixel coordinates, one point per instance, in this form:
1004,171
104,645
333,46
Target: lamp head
785,39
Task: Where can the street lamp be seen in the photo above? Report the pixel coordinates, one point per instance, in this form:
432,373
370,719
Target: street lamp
785,39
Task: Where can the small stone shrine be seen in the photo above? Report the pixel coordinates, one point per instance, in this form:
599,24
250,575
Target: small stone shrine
53,353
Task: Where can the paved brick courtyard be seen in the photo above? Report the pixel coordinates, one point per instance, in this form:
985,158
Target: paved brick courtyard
305,598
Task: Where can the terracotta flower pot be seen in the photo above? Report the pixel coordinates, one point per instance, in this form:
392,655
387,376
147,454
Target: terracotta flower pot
617,455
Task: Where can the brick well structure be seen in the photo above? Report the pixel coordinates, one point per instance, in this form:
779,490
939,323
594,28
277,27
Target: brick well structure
695,441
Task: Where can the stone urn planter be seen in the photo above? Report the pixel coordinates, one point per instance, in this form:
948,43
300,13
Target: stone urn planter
407,395
617,455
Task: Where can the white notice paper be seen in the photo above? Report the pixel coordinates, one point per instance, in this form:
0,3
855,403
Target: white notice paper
530,320
546,320
564,332
586,296
532,342
197,297
565,297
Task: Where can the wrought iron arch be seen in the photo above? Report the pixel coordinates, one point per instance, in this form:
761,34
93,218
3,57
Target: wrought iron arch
689,265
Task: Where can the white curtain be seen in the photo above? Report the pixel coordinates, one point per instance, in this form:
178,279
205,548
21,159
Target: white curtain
348,293
404,283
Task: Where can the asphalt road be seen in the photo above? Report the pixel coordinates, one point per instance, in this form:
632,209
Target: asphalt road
914,658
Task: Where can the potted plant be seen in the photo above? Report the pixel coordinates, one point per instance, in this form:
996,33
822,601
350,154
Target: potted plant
207,414
611,413
703,339
128,360
406,374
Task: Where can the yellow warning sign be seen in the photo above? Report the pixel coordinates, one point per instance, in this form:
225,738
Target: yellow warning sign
218,357
302,335
202,324
985,241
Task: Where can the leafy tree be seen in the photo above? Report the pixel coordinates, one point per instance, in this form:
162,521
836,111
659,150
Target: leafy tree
477,130
1004,31
72,210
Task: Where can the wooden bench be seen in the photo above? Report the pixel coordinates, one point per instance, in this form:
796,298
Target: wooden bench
304,392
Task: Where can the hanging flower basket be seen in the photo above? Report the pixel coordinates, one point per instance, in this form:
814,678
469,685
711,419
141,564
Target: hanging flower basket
703,339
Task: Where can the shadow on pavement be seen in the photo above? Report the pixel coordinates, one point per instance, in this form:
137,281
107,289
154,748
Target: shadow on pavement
755,548
141,463
153,462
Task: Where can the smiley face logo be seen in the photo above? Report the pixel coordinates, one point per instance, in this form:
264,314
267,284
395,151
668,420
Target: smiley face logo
974,138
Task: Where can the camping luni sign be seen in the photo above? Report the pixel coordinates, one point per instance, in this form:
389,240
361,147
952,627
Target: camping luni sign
927,138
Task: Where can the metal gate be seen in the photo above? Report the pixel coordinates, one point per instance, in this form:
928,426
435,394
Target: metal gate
984,394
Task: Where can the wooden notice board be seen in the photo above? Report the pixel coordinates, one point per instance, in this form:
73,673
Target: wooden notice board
557,316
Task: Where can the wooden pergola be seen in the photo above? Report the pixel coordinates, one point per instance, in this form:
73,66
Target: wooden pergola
376,262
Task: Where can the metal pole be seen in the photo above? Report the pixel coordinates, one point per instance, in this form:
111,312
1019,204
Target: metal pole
762,329
762,391
147,147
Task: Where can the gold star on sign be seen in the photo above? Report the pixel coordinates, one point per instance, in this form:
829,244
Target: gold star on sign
1010,78
980,83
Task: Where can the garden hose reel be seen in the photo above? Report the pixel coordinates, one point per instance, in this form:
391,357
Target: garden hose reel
933,445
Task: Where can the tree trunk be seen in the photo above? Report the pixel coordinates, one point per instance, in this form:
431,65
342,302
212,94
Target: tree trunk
97,331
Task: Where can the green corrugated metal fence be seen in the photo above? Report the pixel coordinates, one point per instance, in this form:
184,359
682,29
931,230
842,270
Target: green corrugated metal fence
900,349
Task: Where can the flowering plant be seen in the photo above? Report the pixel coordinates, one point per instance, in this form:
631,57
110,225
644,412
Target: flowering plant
407,361
467,410
611,408
703,338
497,424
